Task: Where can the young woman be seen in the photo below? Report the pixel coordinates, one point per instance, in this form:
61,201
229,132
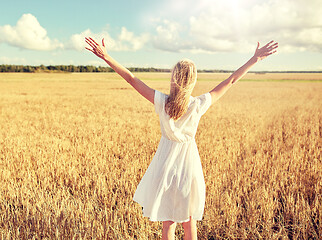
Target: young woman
173,189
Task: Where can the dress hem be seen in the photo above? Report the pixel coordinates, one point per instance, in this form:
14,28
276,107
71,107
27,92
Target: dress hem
167,219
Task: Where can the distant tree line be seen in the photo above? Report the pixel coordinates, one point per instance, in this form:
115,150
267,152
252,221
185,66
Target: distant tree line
87,68
90,68
70,68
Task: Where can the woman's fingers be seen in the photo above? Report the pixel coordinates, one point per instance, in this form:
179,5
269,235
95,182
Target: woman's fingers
90,43
269,53
97,49
268,43
266,50
93,41
89,49
94,48
272,47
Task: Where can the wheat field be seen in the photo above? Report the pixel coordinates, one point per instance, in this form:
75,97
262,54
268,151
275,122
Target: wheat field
73,148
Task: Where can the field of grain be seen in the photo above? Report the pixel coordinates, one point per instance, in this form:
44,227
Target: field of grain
73,148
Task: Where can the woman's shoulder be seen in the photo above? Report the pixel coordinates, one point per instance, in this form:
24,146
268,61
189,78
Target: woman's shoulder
159,101
157,92
201,102
203,97
160,96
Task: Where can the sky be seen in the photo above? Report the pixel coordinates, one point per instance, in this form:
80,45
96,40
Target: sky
215,34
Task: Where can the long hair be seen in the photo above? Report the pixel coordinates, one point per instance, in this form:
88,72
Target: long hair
183,80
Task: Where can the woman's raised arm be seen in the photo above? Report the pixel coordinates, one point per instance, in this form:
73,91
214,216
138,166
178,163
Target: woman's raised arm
260,54
137,84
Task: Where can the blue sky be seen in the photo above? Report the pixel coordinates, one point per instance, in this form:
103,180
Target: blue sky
215,34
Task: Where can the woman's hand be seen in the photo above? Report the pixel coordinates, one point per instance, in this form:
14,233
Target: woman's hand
265,51
260,54
97,49
137,84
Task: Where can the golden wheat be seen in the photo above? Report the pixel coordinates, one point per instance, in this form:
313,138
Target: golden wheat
73,148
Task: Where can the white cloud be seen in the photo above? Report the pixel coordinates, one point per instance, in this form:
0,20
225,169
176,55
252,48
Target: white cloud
126,40
234,25
12,60
28,34
168,36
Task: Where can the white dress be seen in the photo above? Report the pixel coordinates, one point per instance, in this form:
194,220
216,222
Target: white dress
173,187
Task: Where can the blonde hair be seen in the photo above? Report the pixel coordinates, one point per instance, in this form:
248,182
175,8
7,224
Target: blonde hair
183,80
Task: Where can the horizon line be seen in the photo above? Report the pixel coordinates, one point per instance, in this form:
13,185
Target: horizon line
93,68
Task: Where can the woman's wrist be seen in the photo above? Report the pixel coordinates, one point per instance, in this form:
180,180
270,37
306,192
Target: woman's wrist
254,59
105,57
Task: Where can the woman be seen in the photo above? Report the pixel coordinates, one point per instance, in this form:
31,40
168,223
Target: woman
173,190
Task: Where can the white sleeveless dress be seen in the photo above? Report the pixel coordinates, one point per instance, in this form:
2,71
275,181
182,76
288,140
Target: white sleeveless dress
173,187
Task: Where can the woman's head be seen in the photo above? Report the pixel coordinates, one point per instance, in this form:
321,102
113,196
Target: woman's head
183,80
